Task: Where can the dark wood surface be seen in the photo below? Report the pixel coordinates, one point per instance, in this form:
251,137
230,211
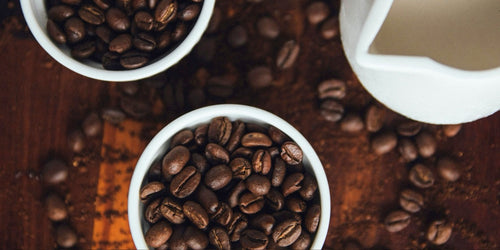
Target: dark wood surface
41,101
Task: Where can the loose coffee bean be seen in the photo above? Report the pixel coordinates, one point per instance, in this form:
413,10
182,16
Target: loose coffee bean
59,13
175,160
216,153
66,236
235,138
200,135
112,115
274,152
219,238
75,29
121,43
111,61
448,169
133,59
56,208
83,50
91,14
287,55
261,162
311,220
421,176
451,130
277,135
352,123
426,144
179,32
182,137
439,232
263,222
332,88
125,5
284,215
185,182
397,221
195,238
177,240
208,199
268,27
317,12
411,201
253,239
144,42
279,172
172,211
219,130
117,20
260,77
243,153
92,125
196,214
275,199
237,224
292,183
331,110
309,187
409,128
103,4
291,153
189,13
165,11
234,195
144,20
55,33
135,107
296,204
241,168
220,86
223,214
374,118
158,234
150,190
76,141
54,172
237,36
153,213
256,139
330,28
287,232
218,177
258,184
407,149
250,203
303,242
384,142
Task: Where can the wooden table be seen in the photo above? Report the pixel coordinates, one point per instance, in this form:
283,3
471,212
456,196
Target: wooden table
41,101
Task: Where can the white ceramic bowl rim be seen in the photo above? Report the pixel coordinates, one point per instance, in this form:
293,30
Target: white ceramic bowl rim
38,30
204,115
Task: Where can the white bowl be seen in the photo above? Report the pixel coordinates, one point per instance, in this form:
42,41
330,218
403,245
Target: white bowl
159,144
35,13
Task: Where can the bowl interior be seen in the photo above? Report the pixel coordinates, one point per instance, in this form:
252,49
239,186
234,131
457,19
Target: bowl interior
159,145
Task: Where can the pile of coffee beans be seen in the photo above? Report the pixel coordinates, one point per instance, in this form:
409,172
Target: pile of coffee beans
231,184
122,34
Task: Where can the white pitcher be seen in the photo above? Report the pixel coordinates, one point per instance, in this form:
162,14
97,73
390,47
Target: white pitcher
435,61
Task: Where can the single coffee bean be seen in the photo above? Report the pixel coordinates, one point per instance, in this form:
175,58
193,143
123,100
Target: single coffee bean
407,149
76,141
165,11
216,153
117,19
286,232
172,210
411,201
195,238
111,61
112,115
311,220
220,86
451,130
158,234
296,205
253,239
133,59
309,187
177,240
384,142
374,118
263,222
223,214
287,55
75,29
56,208
199,162
104,33
421,176
234,195
250,203
83,50
189,13
448,169
200,135
303,242
54,172
59,13
331,110
55,33
258,184
256,139
121,43
292,183
135,107
409,128
332,88
196,214
150,190
237,224
242,152
237,36
179,32
330,28
185,182
439,232
268,27
284,215
260,77
92,125
352,123
91,14
275,199
279,172
144,20
397,221
153,213
241,168
316,12
175,160
125,5
426,144
238,130
218,177
66,236
219,238
277,135
103,4
219,130
261,162
182,137
207,198
144,42
274,152
291,153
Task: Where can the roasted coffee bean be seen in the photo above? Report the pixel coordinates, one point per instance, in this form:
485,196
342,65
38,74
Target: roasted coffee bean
135,107
330,28
218,177
241,168
55,33
277,135
144,20
409,128
237,36
275,200
421,176
185,182
165,11
250,203
397,221
200,135
303,242
219,130
352,123
59,13
195,238
260,77
76,141
243,153
407,149
374,118
223,214
207,198
177,240
311,220
199,162
65,236
104,33
216,153
179,32
448,169
92,125
411,201
287,55
332,88
220,86
426,144
117,19
150,190
215,20
54,172
316,12
56,208
158,234
296,205
237,224
235,138
279,172
258,184
83,50
234,195
189,13
182,137
172,210
75,29
144,42
451,130
263,222
291,153
121,43
384,142
331,110
261,162
439,232
253,239
274,152
124,5
286,232
153,213
154,173
103,4
196,214
112,115
268,27
133,59
256,139
219,238
111,61
175,160
91,14
287,215
309,187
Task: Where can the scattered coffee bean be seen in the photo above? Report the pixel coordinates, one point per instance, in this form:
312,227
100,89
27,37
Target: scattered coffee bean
220,86
237,36
397,221
112,115
384,142
439,232
451,130
411,201
409,128
317,12
407,149
92,125
421,176
330,28
426,144
76,141
135,107
374,118
352,123
448,169
332,88
268,27
260,77
287,55
56,208
54,172
66,236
